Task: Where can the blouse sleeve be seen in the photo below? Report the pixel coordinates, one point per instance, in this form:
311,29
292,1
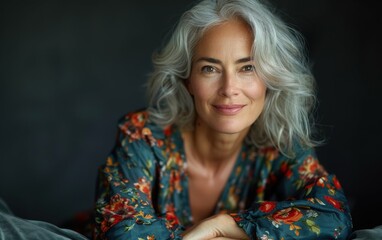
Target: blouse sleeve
308,203
124,207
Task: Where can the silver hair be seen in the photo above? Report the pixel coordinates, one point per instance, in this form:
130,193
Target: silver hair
280,61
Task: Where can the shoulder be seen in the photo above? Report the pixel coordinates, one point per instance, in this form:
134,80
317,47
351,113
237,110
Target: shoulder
133,120
298,153
135,126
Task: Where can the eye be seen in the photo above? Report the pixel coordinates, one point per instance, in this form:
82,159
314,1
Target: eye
248,68
208,69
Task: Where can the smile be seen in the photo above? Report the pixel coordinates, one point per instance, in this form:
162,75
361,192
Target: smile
228,109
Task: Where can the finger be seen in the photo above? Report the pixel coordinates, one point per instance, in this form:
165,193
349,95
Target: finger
224,238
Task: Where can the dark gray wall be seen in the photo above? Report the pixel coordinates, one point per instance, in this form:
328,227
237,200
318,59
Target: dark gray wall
70,69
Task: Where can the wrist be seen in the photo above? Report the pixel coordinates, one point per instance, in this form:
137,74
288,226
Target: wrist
229,228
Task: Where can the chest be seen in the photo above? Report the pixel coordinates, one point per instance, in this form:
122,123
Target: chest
194,197
204,194
205,188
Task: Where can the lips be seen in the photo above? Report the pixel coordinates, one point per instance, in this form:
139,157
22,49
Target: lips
230,109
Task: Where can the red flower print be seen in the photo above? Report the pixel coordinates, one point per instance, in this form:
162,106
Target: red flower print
138,119
171,218
175,181
151,237
267,206
287,216
271,179
147,134
178,159
321,181
270,153
159,142
285,170
260,189
117,210
168,131
310,168
143,186
337,204
309,187
236,217
130,131
336,183
133,125
125,128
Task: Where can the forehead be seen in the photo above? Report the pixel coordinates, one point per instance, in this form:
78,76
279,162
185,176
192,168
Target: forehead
233,35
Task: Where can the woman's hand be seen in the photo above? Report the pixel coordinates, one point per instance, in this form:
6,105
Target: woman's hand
221,226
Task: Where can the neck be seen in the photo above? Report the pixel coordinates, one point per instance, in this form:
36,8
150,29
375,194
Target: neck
211,149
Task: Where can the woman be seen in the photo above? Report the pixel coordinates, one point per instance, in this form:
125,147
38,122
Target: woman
224,150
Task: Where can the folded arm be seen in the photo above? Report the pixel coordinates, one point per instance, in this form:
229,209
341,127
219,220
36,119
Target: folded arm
124,207
308,204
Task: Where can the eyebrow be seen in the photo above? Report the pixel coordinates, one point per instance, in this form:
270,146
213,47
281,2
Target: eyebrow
217,61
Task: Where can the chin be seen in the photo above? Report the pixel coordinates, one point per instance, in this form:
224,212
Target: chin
232,129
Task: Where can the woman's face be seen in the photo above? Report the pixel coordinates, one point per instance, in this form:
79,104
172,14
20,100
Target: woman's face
228,94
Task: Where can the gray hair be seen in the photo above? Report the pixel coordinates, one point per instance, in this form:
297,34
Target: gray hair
280,61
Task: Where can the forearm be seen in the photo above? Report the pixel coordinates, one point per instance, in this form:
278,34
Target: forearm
221,226
321,212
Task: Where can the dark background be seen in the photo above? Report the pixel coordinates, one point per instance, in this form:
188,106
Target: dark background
70,69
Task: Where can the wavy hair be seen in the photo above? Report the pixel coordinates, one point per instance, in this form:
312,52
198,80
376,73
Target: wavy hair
280,61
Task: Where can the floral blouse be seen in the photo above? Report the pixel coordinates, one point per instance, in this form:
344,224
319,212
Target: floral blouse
142,190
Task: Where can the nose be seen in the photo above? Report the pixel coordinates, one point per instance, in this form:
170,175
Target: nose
229,85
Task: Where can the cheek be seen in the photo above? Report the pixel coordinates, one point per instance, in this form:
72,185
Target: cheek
257,91
199,93
198,89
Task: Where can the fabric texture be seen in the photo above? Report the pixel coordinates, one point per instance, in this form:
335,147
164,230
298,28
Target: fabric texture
142,190
368,234
15,228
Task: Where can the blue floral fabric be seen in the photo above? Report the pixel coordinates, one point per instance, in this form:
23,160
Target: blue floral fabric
142,190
